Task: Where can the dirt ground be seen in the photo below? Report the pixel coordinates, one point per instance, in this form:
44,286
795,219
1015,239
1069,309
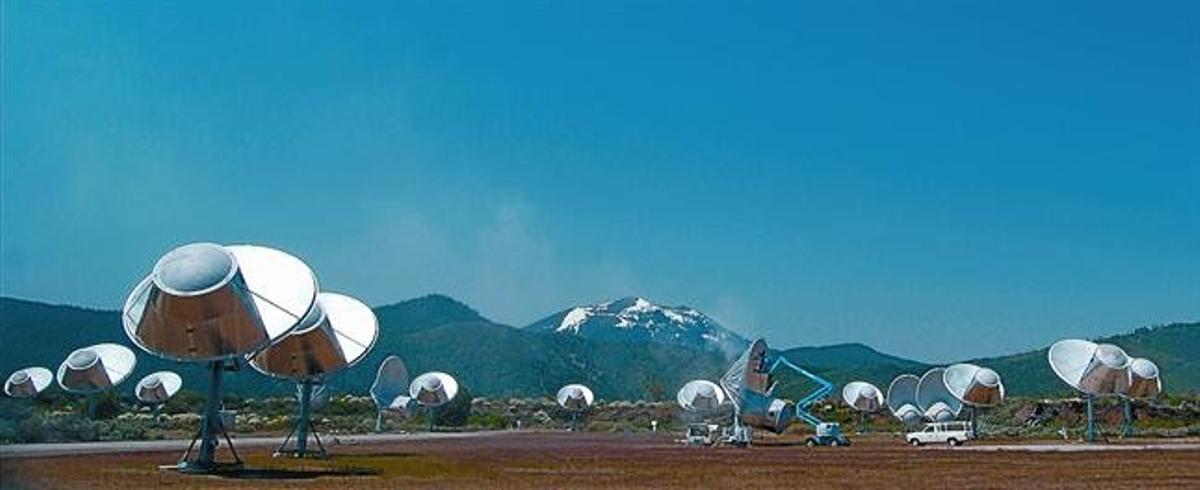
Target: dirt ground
601,460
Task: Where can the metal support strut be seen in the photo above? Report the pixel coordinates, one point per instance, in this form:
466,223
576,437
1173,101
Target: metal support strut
211,428
303,427
1091,422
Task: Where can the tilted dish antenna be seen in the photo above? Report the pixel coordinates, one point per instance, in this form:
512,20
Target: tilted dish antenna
336,334
902,399
432,390
575,398
390,391
158,387
210,303
1144,382
700,395
864,398
28,382
91,370
748,384
934,398
1091,368
975,386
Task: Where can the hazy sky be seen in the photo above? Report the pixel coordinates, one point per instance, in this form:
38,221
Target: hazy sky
939,181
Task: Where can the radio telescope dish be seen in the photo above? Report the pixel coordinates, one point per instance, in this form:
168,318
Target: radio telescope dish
575,397
935,399
1144,382
1143,379
700,395
205,302
28,382
337,333
750,386
1095,369
156,388
974,385
390,391
433,389
1091,368
97,368
902,399
862,396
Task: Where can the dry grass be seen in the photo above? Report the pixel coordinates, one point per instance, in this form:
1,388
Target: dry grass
591,460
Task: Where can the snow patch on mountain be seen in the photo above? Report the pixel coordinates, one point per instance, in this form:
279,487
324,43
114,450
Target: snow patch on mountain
640,320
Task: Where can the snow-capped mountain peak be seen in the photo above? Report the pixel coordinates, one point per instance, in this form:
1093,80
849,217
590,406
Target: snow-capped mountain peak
636,319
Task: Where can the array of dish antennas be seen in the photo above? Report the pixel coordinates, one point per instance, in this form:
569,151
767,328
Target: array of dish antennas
390,391
28,382
217,304
700,395
1098,370
863,397
902,399
337,333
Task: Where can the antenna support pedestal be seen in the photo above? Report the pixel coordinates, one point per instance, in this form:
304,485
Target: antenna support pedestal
1127,427
211,427
303,427
1090,435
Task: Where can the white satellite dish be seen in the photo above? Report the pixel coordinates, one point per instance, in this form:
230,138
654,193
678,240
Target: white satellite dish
575,398
864,398
207,302
975,386
96,368
1095,369
210,303
337,333
432,390
1144,382
390,391
158,387
1091,368
700,395
902,399
934,398
28,382
91,370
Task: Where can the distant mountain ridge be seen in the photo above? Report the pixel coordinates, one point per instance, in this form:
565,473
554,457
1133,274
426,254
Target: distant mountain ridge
635,320
436,332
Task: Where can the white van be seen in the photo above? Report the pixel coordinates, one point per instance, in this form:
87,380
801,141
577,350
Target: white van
952,433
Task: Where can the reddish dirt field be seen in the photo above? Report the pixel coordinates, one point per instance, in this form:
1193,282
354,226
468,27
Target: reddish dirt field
565,460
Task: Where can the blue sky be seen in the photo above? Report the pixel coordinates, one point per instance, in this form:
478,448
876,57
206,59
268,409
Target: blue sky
938,180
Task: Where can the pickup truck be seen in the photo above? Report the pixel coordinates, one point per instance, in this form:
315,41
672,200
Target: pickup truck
952,433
